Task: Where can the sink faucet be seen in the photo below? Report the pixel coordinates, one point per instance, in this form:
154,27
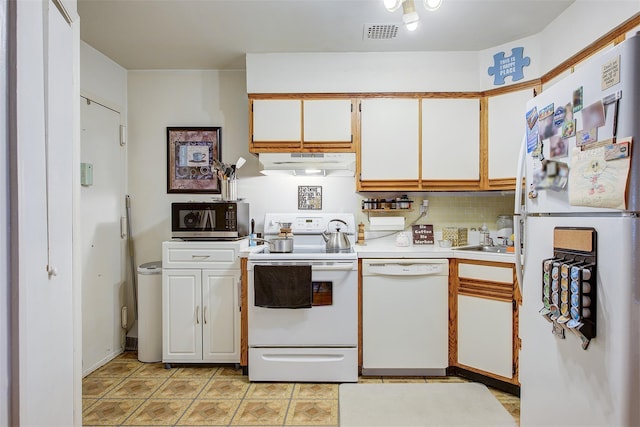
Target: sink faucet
485,239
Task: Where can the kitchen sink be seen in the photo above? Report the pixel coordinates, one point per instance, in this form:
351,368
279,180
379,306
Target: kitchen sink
480,248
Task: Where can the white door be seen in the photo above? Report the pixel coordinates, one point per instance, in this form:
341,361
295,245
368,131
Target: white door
101,207
390,139
220,316
558,370
182,315
449,154
327,120
277,120
506,123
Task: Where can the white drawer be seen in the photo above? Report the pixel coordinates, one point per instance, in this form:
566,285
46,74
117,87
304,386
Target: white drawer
200,255
301,364
485,272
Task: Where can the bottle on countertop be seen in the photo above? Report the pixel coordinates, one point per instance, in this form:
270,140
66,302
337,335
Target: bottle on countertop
485,237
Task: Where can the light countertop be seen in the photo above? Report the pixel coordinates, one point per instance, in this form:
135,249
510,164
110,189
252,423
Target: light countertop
387,248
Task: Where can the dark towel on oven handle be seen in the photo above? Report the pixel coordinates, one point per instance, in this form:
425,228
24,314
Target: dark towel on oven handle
282,286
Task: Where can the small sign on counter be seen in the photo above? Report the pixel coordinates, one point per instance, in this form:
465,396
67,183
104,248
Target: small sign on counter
422,234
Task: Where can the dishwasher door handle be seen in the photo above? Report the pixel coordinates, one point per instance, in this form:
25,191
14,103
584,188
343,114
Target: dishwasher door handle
404,269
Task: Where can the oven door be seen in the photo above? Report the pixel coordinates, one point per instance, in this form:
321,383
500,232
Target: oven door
332,321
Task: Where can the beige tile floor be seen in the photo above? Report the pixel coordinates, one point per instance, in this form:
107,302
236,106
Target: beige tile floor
130,393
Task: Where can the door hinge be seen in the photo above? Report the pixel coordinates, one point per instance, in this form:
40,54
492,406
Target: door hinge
123,135
513,370
514,304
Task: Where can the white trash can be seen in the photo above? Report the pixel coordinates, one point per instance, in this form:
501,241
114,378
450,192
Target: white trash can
150,312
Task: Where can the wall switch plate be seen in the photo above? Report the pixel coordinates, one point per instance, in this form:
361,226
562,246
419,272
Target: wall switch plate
86,174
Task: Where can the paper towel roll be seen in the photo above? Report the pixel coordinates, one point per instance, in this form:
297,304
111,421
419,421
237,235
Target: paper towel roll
379,223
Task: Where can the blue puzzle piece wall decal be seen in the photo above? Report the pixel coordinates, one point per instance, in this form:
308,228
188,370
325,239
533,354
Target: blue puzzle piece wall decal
509,66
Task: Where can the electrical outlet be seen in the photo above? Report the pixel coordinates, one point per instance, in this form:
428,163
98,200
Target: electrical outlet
424,206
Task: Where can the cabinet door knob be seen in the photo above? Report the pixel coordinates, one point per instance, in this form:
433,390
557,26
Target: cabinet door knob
204,314
197,314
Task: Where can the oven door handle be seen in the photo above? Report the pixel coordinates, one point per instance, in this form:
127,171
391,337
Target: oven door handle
316,266
338,266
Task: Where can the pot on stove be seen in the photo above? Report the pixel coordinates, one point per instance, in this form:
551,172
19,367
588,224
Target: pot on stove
278,244
336,241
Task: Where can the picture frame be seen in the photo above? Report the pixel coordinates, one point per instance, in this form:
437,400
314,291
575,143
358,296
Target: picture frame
309,197
191,155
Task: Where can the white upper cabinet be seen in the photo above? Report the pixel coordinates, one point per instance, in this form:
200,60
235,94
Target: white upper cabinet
327,120
390,140
506,129
302,124
277,120
451,139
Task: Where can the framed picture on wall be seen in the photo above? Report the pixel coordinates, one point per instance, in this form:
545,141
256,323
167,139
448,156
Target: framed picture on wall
309,197
191,154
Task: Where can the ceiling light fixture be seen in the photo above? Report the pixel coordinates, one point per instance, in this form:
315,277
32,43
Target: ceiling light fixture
410,17
432,5
392,5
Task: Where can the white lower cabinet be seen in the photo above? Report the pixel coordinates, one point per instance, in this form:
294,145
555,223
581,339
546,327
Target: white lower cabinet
201,310
485,335
487,319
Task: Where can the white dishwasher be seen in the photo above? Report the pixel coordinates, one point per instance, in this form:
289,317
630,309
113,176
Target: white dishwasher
405,317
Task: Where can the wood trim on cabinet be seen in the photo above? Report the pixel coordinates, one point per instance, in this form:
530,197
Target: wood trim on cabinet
453,312
517,343
512,88
485,289
418,185
513,380
388,185
345,95
501,184
506,292
484,141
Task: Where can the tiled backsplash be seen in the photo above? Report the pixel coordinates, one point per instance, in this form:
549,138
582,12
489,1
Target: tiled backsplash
469,210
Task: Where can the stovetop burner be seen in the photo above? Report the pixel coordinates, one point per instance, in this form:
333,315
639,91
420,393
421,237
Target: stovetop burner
310,252
306,231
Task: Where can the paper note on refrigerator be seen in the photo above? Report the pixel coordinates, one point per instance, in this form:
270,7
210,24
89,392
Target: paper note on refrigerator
596,182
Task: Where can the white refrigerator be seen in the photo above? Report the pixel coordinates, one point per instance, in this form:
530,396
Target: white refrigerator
579,211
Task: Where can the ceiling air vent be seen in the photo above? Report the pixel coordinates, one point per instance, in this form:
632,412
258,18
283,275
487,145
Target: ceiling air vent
380,31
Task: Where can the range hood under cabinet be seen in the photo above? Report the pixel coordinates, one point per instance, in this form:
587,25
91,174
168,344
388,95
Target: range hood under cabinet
303,164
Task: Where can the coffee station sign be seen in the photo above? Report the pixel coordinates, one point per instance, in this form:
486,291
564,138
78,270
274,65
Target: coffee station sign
422,234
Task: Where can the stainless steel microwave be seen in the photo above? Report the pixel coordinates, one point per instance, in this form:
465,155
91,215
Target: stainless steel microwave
209,220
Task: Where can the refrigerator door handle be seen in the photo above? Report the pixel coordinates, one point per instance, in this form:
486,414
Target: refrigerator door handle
518,207
520,212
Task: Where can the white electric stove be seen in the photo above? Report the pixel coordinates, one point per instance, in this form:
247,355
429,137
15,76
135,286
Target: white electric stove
314,344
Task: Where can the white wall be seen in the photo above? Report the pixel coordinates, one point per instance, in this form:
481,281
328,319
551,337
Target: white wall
105,82
577,27
158,99
362,72
581,24
102,79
